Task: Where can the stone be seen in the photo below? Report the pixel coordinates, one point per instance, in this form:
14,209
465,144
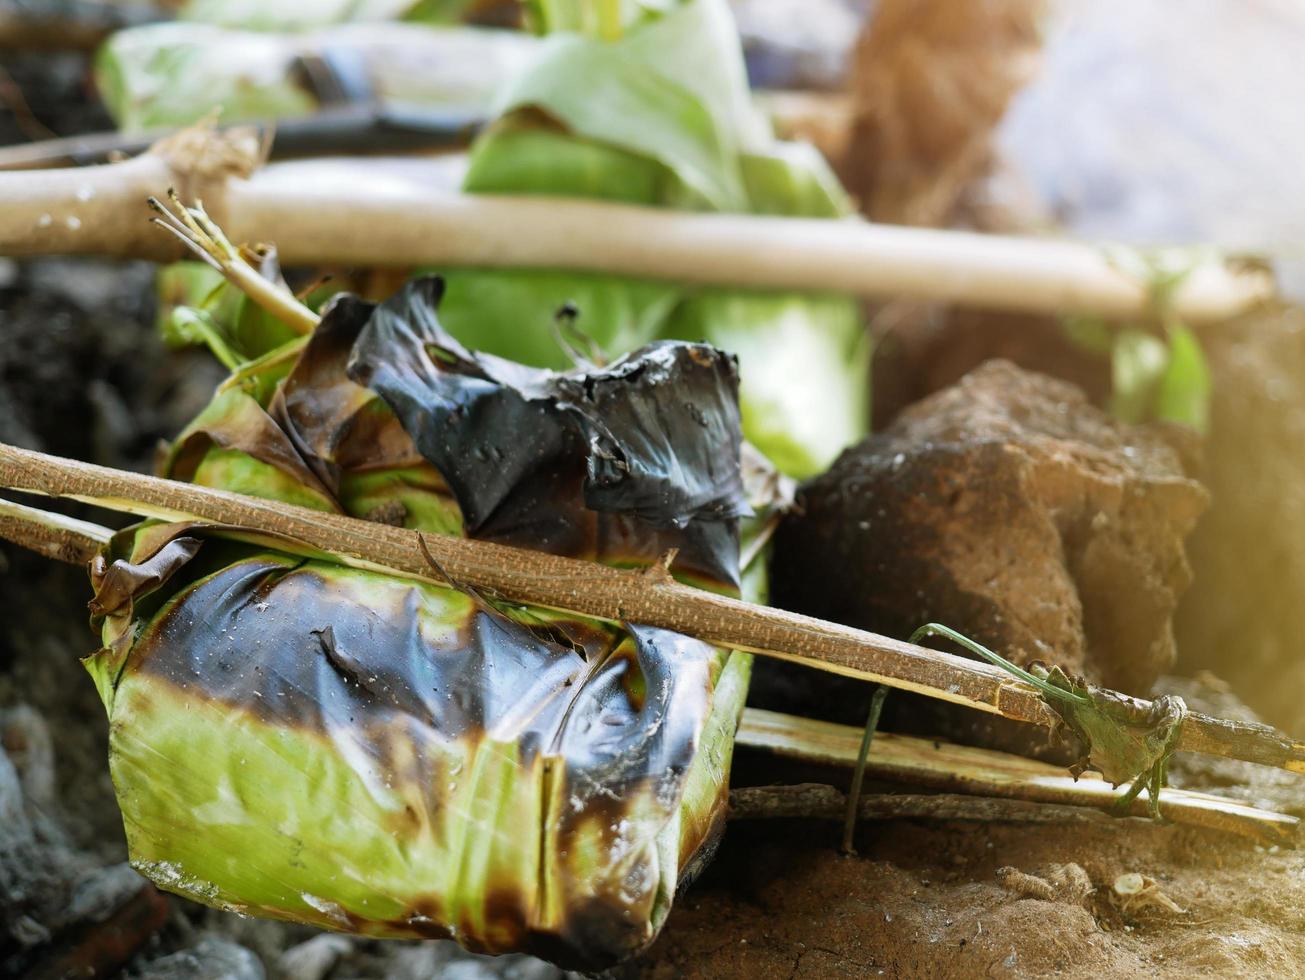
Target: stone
212,958
315,958
57,902
1011,509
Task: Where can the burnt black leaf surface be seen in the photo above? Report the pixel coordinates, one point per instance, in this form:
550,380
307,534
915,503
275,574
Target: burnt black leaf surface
617,463
403,736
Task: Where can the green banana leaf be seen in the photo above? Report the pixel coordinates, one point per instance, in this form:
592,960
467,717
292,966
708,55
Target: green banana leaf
198,306
804,360
1183,389
298,15
293,738
1154,375
174,74
670,124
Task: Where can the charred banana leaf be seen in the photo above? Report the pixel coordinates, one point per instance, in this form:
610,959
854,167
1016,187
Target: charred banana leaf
297,739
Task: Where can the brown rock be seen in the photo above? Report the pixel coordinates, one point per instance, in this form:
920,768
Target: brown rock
931,80
1009,508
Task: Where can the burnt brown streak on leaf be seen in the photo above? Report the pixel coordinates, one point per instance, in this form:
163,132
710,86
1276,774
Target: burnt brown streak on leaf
120,583
335,424
288,644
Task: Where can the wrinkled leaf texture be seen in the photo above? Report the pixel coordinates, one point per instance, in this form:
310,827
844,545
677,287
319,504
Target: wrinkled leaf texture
294,738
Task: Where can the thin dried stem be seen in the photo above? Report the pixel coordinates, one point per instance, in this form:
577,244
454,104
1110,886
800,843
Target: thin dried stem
590,589
201,234
858,773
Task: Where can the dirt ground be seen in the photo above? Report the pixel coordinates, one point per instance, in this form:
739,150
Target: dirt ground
937,899
924,900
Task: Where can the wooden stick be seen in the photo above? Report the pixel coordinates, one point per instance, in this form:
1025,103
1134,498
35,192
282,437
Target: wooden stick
821,802
85,210
984,773
62,538
373,212
999,786
585,588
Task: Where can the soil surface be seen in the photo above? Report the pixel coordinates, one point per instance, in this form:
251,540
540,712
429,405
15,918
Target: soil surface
923,900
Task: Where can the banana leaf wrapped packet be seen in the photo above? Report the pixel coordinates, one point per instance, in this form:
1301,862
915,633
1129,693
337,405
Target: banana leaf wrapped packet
293,738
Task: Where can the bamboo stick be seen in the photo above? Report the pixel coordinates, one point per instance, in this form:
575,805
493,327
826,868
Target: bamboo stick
996,785
818,801
379,212
84,210
821,802
647,596
984,773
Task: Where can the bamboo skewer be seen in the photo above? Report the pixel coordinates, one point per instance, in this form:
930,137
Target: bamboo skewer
987,774
585,588
823,802
379,212
975,784
820,801
996,785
